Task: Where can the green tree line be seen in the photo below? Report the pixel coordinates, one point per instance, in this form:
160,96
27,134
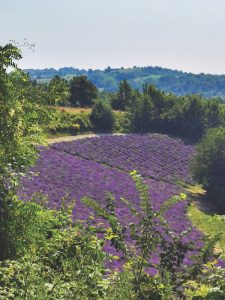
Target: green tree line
170,81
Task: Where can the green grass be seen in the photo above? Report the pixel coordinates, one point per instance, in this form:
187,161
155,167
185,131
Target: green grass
143,79
209,224
49,135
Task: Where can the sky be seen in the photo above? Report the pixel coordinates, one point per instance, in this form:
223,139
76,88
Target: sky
186,35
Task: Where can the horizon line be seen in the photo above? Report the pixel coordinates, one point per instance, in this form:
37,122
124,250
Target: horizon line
125,68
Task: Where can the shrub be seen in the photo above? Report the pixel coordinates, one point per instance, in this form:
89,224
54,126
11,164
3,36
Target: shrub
53,257
102,116
70,123
208,166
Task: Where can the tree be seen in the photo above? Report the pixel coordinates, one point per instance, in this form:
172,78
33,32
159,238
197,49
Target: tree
82,92
102,116
19,131
185,116
123,97
211,114
157,97
146,113
141,114
18,128
208,166
58,91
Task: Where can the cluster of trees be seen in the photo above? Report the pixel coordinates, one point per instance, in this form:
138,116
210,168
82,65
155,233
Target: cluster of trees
188,116
171,81
151,109
79,91
154,110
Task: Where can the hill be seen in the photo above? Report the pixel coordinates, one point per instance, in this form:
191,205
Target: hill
177,82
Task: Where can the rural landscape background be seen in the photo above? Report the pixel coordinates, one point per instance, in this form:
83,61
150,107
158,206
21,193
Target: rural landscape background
112,150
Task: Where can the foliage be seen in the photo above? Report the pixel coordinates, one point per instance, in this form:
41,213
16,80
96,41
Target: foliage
56,259
20,120
123,98
188,116
157,98
151,110
82,92
141,113
208,166
71,123
211,286
19,132
122,122
210,224
102,116
58,91
170,81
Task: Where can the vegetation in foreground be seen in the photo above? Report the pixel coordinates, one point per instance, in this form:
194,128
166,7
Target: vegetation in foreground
55,258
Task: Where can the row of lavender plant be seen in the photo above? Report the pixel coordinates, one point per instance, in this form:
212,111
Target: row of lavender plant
61,174
153,155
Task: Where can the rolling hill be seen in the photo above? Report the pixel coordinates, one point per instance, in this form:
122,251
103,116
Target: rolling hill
177,82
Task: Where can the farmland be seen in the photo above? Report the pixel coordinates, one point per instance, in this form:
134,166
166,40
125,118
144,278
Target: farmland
99,165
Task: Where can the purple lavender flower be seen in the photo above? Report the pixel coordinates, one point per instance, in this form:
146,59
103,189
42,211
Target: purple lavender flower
96,166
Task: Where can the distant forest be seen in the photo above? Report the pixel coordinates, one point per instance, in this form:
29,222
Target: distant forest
177,82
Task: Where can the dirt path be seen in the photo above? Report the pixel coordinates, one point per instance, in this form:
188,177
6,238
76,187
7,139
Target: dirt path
77,137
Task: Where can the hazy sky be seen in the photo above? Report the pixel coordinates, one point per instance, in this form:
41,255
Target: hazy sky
186,35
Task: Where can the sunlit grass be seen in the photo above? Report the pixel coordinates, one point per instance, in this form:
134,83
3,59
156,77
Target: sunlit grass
209,224
78,110
196,189
73,110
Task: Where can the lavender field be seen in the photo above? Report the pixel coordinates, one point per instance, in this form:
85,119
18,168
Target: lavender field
153,155
97,166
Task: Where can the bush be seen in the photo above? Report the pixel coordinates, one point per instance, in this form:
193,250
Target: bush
102,116
208,166
53,257
70,123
